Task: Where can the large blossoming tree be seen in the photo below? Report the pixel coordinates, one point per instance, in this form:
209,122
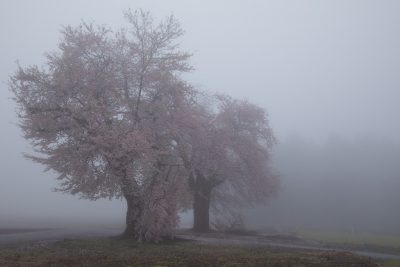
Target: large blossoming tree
103,112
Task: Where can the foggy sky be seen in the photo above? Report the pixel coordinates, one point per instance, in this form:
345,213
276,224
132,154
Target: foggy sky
318,67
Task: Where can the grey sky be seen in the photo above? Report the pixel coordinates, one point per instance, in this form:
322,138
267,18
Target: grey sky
318,67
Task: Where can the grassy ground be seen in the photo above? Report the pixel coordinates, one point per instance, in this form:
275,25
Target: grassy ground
352,238
391,263
368,241
116,252
358,241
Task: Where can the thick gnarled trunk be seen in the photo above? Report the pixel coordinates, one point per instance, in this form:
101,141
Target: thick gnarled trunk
134,207
133,214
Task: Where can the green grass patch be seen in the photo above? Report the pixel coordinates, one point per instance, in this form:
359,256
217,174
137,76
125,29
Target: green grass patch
116,252
391,263
377,242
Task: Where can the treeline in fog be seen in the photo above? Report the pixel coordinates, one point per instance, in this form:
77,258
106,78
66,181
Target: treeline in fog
342,184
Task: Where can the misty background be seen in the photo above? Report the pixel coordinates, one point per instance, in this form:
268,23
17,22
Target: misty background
327,72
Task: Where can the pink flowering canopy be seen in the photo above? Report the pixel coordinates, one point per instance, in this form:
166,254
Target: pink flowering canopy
111,114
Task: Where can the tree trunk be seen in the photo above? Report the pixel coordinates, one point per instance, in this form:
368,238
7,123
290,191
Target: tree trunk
134,208
201,209
133,212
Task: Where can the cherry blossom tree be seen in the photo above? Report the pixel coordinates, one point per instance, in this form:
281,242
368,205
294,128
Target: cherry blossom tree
102,113
227,156
110,113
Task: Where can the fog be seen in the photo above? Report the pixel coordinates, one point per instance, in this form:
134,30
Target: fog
327,72
347,185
